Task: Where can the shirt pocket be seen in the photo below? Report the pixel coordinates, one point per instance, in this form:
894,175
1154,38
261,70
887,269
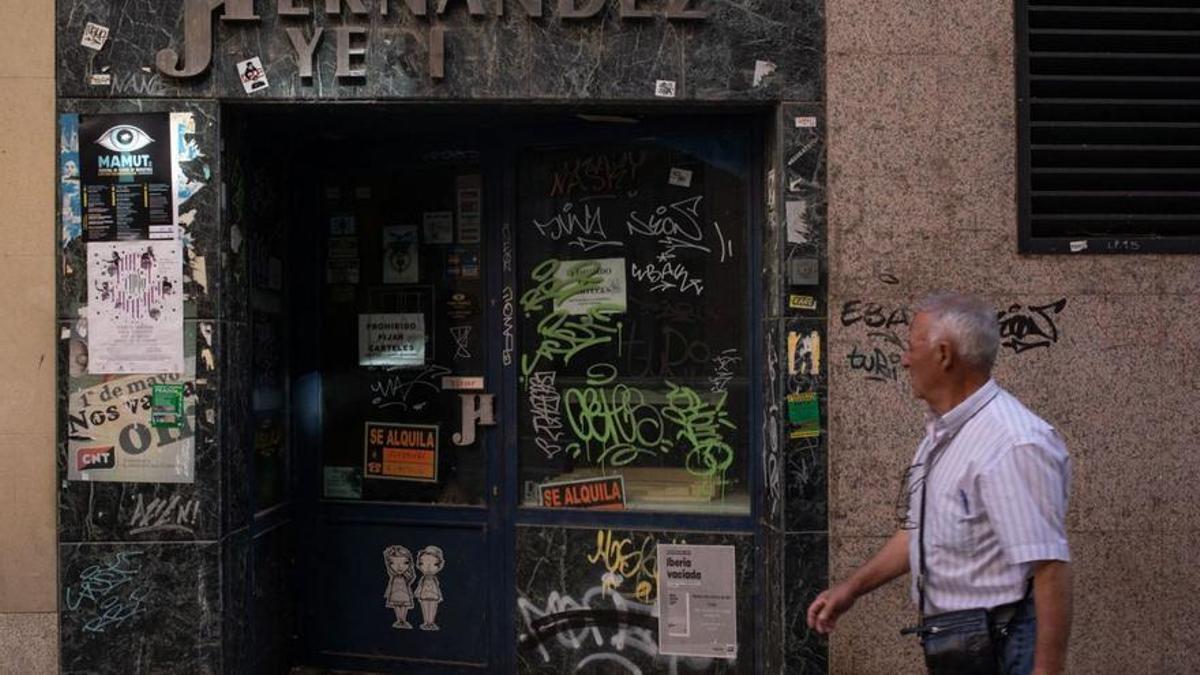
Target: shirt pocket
956,523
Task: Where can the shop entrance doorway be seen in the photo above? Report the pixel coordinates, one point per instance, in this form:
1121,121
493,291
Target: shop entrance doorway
466,322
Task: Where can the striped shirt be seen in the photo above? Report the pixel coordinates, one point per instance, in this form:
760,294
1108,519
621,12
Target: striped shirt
996,501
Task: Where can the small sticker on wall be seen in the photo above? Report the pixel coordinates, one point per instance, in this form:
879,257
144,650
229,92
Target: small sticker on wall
100,79
664,88
362,192
806,122
252,75
680,178
1078,246
166,406
804,353
462,382
763,70
807,302
798,229
804,415
94,36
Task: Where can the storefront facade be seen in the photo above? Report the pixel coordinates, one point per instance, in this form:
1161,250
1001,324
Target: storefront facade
441,336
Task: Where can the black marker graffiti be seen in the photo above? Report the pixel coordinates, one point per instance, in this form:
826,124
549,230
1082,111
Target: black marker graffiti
1029,328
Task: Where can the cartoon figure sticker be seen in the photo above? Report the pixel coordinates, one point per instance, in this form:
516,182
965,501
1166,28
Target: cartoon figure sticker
429,591
400,594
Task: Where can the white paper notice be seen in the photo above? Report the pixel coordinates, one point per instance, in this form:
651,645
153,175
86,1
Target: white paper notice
697,601
391,339
798,230
664,88
606,280
135,307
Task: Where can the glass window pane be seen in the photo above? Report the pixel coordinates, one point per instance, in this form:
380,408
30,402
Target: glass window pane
402,310
632,303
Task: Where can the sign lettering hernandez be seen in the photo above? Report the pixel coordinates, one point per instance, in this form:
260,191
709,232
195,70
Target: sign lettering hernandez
198,27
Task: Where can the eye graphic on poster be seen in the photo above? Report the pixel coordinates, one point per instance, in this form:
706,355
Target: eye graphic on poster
401,596
400,254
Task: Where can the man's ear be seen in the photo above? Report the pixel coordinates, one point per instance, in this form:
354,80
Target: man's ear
945,355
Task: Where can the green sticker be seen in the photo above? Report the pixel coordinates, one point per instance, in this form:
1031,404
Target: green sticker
166,405
804,414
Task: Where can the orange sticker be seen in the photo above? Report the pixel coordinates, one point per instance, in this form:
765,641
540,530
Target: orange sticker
401,452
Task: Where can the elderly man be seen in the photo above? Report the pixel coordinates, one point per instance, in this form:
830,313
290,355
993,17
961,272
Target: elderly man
984,506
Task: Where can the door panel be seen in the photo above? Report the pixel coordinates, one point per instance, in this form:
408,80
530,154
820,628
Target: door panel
391,597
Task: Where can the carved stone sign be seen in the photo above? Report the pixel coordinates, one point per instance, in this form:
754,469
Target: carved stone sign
350,41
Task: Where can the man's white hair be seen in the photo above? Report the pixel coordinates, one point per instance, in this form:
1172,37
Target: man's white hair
968,322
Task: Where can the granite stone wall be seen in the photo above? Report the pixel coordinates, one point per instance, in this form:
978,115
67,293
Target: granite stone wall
922,196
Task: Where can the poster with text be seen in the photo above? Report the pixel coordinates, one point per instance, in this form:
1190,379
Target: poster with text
391,339
400,254
401,452
135,307
469,204
110,435
697,601
126,175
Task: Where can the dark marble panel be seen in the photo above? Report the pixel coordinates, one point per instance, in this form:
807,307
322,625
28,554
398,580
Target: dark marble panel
804,135
722,54
806,482
773,425
139,608
603,58
772,216
806,575
117,511
274,594
561,569
236,427
771,640
137,30
497,58
199,221
238,648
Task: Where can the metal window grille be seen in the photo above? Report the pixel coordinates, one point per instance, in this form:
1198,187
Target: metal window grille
1109,125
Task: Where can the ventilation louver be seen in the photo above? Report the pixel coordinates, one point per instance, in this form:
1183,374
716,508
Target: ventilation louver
1110,125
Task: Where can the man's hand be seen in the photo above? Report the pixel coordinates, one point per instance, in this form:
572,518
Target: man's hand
823,613
888,563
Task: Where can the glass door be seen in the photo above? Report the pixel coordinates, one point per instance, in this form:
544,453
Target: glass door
404,515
